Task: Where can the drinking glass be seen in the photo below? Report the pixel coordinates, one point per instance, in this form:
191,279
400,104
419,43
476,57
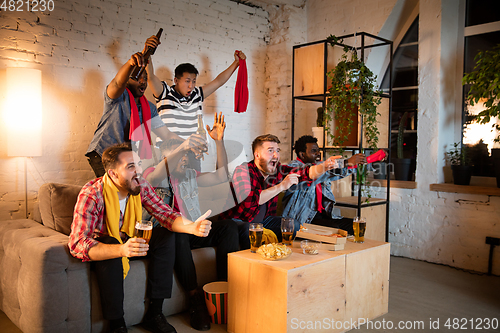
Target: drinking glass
359,226
287,226
255,231
144,230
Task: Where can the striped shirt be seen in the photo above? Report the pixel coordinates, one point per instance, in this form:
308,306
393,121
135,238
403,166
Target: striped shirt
179,113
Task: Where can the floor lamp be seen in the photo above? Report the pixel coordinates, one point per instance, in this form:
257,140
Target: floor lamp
23,116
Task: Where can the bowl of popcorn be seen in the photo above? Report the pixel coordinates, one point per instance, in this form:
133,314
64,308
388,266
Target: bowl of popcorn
310,247
274,251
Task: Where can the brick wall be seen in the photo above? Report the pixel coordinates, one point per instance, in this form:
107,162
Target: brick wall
448,228
80,45
287,29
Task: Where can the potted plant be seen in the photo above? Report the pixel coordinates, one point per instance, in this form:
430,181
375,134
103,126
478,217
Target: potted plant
401,164
485,88
318,131
460,164
352,90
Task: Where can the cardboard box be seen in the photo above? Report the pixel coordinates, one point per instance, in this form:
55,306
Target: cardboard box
321,233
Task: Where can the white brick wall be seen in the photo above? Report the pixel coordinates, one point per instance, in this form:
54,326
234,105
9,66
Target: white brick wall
80,46
438,227
287,29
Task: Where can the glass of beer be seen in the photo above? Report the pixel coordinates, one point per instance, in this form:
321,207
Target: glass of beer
255,230
287,225
144,230
359,226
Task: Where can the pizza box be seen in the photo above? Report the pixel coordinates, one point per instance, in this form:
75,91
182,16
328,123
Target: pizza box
332,247
322,234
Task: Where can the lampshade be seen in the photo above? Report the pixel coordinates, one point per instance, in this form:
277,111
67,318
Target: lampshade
23,112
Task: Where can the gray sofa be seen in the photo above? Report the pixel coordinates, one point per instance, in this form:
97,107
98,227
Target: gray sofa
44,289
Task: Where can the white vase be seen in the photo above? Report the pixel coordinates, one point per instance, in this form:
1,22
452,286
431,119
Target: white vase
318,134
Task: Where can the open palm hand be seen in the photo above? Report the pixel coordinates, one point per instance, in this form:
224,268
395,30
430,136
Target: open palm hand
217,131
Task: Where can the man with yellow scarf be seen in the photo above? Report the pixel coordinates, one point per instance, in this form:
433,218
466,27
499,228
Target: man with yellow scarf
103,228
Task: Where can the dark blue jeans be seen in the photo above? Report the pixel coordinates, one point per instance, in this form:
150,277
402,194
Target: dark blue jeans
109,273
270,222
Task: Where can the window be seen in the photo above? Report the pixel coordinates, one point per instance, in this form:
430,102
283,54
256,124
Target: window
405,92
481,33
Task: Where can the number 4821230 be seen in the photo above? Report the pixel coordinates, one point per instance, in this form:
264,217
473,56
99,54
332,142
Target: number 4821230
27,5
477,323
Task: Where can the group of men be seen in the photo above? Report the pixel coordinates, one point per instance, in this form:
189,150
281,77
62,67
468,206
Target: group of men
108,206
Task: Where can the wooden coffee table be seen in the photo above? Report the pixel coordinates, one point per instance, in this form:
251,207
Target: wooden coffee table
329,291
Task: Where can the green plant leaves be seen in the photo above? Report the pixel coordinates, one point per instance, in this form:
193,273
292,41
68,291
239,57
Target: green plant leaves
352,83
485,84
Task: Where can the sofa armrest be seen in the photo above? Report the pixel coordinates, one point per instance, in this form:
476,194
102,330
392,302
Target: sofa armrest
42,287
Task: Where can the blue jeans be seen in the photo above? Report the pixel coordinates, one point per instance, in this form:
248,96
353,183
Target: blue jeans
271,222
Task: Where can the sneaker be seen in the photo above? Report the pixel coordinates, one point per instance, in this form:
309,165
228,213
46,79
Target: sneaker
199,317
158,324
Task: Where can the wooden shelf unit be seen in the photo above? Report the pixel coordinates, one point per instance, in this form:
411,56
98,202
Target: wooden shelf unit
311,62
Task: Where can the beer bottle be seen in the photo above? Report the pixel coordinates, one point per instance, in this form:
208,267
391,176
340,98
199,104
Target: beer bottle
137,72
201,129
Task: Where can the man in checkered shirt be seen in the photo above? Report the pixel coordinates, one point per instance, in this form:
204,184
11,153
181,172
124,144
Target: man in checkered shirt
258,183
101,232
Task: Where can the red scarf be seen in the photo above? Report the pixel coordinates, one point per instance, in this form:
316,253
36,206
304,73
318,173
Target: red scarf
138,135
319,193
378,156
241,89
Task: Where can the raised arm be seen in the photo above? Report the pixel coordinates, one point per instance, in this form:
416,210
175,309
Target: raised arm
153,81
119,83
317,170
217,134
222,78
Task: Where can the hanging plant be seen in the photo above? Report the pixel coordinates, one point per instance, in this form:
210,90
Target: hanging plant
352,84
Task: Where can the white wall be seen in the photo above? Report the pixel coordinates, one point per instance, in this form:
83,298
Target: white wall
80,46
438,227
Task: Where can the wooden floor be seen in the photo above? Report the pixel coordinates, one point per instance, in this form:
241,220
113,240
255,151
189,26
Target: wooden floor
420,294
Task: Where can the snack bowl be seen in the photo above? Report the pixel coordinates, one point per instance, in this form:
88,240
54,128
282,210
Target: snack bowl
310,247
274,251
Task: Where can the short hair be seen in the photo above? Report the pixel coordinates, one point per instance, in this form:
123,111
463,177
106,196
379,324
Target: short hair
300,145
263,138
169,144
111,155
185,68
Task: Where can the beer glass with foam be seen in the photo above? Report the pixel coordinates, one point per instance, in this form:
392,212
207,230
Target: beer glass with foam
359,226
144,230
287,226
255,231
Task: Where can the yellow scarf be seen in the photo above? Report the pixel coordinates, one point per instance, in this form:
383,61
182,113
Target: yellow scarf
133,213
268,237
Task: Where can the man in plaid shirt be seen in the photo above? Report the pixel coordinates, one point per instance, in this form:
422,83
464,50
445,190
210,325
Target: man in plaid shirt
258,183
92,238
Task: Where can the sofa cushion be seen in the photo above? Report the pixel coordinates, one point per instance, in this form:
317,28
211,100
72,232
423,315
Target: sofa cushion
57,202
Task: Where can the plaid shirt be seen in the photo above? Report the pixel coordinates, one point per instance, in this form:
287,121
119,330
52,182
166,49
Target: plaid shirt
248,182
88,217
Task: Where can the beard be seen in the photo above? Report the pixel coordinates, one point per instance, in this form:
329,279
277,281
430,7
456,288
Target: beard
133,186
267,167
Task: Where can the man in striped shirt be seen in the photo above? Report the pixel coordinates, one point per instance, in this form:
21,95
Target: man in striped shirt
180,104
